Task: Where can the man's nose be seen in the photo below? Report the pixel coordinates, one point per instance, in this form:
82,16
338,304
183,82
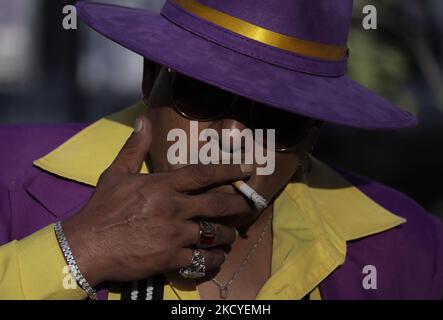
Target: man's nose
233,131
232,125
232,135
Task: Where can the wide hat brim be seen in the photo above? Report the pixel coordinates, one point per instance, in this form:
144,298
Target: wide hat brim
332,99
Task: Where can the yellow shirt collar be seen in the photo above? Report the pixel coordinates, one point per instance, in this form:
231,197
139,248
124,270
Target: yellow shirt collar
312,221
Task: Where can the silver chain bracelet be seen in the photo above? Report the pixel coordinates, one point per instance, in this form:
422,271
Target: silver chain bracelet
73,267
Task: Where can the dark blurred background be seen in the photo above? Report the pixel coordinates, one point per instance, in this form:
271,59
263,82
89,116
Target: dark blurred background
49,74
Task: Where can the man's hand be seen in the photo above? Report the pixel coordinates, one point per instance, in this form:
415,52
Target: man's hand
138,225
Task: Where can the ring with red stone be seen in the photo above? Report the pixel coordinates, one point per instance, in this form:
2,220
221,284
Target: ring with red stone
206,234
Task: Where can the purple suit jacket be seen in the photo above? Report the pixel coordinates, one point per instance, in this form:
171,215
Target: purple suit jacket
410,255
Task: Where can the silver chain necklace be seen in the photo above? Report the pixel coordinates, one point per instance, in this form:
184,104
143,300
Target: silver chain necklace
224,289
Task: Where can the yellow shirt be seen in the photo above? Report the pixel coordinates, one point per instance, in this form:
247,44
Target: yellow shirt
312,222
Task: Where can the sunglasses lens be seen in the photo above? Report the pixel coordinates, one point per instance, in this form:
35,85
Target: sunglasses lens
289,128
198,100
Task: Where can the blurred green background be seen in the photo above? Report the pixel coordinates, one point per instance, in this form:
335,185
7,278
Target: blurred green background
402,61
48,74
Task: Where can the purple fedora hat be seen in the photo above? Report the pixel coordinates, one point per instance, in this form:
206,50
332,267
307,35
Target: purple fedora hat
289,54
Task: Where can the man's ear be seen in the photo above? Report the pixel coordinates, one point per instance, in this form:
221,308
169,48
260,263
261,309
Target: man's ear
150,73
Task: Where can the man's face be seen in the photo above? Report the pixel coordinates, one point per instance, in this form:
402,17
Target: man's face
165,116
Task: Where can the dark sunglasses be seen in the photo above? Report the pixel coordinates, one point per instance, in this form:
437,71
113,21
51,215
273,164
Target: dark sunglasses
200,101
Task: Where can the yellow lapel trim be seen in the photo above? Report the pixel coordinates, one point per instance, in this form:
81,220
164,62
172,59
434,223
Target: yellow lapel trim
312,221
88,153
312,225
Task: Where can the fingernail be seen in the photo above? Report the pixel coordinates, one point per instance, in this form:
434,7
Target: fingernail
138,125
247,168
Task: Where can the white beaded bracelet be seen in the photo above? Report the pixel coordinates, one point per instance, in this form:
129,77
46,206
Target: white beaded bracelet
73,267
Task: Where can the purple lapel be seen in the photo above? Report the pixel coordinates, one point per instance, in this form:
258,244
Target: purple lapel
43,199
408,258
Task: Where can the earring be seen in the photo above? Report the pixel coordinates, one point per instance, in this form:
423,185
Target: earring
309,162
306,165
309,158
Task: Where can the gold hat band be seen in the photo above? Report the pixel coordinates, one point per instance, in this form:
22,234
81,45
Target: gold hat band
268,37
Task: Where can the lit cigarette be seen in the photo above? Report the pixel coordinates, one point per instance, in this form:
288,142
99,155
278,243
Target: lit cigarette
259,202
